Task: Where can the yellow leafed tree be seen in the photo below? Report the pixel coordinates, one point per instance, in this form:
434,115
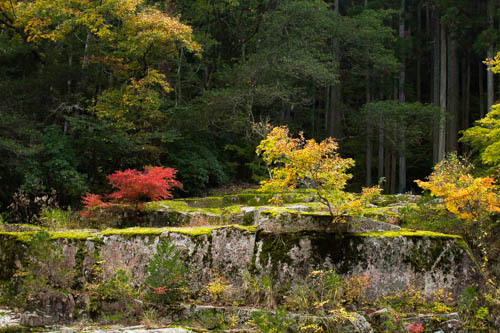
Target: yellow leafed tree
296,161
468,197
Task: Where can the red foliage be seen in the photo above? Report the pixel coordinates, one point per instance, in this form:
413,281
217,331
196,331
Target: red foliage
415,328
134,186
91,201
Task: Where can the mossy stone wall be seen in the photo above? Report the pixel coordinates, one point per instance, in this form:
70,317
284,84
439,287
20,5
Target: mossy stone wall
391,259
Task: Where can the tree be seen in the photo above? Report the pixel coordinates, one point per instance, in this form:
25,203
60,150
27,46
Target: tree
297,162
484,137
134,187
472,199
394,120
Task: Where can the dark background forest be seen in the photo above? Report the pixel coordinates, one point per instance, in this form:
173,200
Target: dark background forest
90,87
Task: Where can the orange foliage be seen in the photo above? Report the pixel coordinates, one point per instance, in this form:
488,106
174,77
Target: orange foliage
467,197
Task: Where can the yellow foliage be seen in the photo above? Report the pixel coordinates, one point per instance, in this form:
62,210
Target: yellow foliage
494,63
294,162
137,105
469,198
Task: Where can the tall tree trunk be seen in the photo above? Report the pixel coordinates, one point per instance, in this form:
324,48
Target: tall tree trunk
387,171
85,61
327,107
70,64
335,117
313,114
419,55
178,85
435,83
466,93
380,166
442,96
482,108
453,104
369,140
467,98
402,99
489,74
393,171
369,132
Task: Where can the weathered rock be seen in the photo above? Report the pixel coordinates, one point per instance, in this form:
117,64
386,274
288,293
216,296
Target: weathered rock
390,260
232,252
47,308
8,318
130,329
33,319
279,220
210,316
446,323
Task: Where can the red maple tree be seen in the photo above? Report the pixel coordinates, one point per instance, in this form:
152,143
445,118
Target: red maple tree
135,187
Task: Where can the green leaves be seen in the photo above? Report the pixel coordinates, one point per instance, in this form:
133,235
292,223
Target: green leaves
485,137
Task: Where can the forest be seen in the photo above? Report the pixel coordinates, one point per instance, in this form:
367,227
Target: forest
89,87
132,130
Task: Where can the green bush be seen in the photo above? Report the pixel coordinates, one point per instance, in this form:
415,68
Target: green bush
167,281
115,299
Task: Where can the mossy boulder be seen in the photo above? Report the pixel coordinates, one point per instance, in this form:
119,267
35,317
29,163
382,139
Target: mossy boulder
391,260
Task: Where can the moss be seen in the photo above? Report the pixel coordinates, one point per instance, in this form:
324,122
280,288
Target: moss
405,233
190,231
19,329
180,206
206,202
72,234
21,227
249,228
380,212
193,231
12,248
22,236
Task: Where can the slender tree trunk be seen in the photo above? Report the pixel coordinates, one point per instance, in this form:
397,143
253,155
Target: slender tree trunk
442,96
70,64
313,115
327,107
489,74
463,83
467,98
427,20
387,171
369,140
380,167
178,85
453,105
393,171
482,108
85,61
402,99
466,93
369,132
435,84
419,55
334,129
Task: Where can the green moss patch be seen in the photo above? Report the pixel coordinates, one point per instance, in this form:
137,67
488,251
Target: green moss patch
191,231
406,233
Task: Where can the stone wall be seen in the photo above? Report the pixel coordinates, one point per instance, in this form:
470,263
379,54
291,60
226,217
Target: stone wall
390,259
